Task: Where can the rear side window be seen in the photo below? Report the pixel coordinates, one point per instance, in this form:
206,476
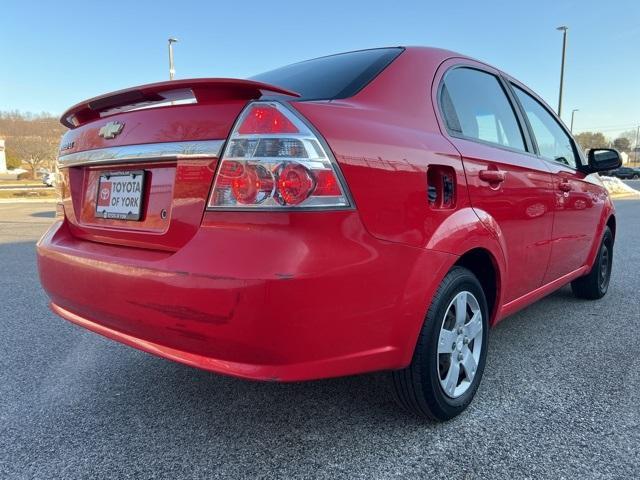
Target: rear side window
475,105
335,76
553,142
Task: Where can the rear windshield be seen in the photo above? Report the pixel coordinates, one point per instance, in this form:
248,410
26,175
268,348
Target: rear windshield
335,76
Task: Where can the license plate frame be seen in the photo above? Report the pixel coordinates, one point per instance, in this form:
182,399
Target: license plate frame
120,195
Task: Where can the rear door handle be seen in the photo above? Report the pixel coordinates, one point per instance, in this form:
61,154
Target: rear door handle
564,186
492,176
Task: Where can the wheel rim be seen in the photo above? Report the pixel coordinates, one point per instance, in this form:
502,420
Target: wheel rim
460,344
605,267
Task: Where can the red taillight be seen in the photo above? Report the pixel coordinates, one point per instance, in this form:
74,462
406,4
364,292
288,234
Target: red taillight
265,119
295,184
326,183
253,186
273,160
231,169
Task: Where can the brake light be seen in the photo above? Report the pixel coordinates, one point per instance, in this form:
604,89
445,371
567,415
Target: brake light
265,119
253,185
273,160
295,184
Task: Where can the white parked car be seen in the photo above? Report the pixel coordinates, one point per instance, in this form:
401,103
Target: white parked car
49,179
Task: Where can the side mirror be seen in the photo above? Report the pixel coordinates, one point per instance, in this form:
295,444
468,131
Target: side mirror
603,159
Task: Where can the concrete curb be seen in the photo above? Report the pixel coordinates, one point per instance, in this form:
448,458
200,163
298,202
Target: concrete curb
630,196
28,200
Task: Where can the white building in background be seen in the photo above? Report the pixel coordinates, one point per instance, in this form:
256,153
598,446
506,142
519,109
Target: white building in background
3,158
625,157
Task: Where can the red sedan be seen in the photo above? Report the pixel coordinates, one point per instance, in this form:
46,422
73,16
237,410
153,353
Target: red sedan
373,210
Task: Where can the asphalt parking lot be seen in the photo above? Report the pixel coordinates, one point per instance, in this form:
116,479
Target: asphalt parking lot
633,183
559,399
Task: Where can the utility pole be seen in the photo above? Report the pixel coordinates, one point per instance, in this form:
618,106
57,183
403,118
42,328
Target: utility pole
563,29
573,112
172,70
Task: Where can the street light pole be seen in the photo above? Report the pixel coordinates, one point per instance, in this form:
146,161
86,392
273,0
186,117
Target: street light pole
172,70
563,29
573,112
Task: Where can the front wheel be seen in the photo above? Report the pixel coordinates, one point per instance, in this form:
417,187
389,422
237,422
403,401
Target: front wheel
595,284
451,351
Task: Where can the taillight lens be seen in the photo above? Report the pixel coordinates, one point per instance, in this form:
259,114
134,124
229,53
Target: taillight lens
273,160
266,119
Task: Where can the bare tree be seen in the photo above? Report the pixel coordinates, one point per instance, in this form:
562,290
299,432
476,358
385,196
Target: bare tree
30,139
631,136
622,144
17,124
589,140
34,151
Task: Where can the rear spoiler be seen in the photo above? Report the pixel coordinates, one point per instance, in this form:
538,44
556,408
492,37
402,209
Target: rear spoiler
205,90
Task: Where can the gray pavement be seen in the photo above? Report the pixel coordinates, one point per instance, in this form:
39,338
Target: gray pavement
559,398
633,183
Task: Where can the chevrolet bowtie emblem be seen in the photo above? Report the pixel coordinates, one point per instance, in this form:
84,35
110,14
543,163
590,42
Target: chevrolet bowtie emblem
111,130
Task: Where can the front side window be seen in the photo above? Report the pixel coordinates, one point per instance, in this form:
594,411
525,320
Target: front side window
553,142
475,105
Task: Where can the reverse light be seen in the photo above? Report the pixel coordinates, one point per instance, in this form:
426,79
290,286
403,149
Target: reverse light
273,160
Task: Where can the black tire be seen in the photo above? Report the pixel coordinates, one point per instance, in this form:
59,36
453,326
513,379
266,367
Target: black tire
417,388
636,176
595,284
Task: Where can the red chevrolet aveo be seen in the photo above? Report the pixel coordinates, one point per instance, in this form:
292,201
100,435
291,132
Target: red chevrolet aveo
373,210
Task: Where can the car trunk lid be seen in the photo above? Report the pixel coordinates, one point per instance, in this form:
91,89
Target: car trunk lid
169,134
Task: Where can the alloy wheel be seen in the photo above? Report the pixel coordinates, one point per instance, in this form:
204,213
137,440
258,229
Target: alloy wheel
459,344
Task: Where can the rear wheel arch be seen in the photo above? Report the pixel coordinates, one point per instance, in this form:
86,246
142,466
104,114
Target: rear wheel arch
484,266
468,242
479,245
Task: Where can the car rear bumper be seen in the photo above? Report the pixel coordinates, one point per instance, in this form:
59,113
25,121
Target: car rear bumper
288,298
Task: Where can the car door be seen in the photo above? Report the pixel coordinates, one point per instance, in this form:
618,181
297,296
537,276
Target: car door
578,197
510,188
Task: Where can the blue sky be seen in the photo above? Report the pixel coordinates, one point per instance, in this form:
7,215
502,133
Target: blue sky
55,54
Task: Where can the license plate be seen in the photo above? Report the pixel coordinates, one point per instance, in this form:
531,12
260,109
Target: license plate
120,195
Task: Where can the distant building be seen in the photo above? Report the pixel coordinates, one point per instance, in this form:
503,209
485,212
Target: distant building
625,157
3,158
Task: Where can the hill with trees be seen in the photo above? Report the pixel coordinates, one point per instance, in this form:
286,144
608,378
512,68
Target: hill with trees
31,139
